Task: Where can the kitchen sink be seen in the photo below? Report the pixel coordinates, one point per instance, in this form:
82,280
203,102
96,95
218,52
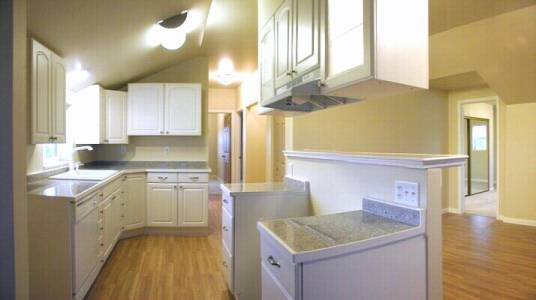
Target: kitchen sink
85,175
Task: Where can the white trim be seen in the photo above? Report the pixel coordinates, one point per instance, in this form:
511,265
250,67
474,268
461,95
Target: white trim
451,210
406,160
460,171
516,221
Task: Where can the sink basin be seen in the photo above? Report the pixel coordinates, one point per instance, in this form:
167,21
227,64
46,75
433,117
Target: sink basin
85,175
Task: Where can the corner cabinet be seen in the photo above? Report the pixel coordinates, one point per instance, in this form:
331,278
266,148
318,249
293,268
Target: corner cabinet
48,89
135,203
171,109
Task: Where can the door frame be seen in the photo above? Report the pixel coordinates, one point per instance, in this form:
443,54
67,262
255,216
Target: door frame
468,146
494,100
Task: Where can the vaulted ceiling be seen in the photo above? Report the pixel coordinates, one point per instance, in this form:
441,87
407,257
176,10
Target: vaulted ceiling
108,37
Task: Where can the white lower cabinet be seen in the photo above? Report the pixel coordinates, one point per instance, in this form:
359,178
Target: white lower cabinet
162,204
193,205
135,201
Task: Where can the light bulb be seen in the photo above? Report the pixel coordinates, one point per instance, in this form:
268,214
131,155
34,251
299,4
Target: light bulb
172,39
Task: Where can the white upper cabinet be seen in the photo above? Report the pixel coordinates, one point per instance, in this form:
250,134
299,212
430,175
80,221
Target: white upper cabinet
48,89
100,116
283,44
146,109
164,109
266,60
306,36
183,109
116,117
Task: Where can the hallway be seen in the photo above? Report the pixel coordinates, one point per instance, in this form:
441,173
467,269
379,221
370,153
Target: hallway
483,204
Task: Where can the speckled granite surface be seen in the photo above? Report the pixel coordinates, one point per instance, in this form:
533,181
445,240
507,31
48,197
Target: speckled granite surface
319,232
289,185
126,165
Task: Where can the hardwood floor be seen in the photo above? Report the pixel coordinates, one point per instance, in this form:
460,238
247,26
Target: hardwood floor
482,259
165,267
487,259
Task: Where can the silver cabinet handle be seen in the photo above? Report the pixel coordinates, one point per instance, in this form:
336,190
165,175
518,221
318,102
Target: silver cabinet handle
225,201
194,178
167,132
161,132
225,228
162,178
273,262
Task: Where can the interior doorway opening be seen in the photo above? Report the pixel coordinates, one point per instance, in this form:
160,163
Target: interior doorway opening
478,141
220,149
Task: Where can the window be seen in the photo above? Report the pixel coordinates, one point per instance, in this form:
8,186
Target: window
51,156
479,135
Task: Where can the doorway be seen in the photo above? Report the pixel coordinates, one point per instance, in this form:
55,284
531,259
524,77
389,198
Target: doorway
478,140
220,147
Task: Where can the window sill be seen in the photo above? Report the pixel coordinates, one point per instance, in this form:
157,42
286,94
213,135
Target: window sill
55,165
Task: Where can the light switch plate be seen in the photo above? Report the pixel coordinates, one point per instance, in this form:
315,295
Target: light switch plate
407,193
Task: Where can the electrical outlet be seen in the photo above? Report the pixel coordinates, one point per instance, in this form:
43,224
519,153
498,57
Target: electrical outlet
407,193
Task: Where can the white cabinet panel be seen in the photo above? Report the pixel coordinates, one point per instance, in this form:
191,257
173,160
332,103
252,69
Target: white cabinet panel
266,60
135,203
283,47
193,205
106,210
306,33
161,205
59,90
116,117
183,109
117,218
145,109
271,289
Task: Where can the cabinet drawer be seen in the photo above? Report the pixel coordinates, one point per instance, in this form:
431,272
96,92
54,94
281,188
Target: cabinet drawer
227,265
283,270
227,203
111,188
86,205
193,177
162,177
227,231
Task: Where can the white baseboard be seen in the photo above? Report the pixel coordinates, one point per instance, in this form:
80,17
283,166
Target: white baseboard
516,221
451,210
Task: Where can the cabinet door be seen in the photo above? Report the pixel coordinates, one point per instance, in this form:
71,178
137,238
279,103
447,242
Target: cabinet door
161,205
135,203
59,91
267,47
271,288
193,205
183,109
306,36
283,44
117,215
146,109
108,234
116,117
41,94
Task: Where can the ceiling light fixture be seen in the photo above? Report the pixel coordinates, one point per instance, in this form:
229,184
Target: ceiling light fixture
171,33
77,76
226,73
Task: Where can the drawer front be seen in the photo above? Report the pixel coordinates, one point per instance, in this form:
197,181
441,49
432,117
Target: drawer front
227,265
111,188
162,177
283,270
227,203
271,288
86,205
193,177
227,231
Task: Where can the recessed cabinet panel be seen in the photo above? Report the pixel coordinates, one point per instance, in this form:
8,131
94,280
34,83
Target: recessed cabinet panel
145,109
283,47
306,36
135,202
183,109
162,205
59,90
193,205
116,117
267,44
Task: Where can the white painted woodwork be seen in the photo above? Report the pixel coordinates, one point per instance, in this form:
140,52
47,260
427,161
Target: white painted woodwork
116,117
182,109
48,90
283,44
243,211
146,109
306,36
117,218
162,177
135,201
271,288
162,204
266,60
107,228
227,264
193,205
193,177
85,241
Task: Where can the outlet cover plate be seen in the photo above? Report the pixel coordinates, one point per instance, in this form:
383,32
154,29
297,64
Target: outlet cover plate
407,193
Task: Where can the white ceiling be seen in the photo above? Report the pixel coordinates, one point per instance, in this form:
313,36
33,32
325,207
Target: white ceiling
108,36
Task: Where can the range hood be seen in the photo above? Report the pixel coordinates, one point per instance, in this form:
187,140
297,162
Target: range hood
305,97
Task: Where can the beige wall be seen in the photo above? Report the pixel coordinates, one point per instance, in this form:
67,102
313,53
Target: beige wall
194,70
222,100
255,146
410,123
520,167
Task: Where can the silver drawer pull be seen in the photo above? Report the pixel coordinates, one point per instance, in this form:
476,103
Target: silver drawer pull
225,228
194,178
273,262
225,201
162,178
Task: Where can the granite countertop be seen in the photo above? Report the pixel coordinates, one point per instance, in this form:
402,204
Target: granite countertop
40,185
260,187
318,232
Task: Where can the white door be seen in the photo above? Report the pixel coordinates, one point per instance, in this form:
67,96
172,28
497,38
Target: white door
135,203
283,44
146,109
193,205
41,94
85,247
306,36
266,47
59,91
107,220
116,117
161,205
183,109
